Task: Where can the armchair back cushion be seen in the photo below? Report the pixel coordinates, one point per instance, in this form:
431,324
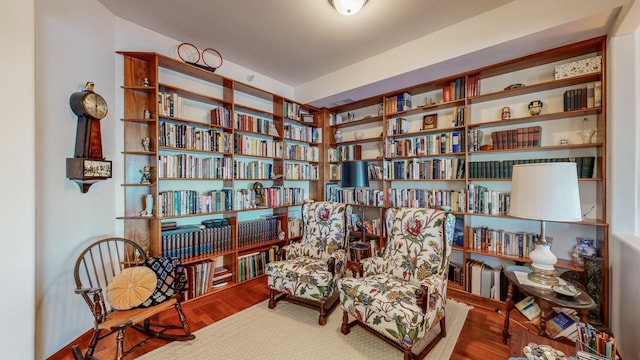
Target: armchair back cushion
324,229
415,249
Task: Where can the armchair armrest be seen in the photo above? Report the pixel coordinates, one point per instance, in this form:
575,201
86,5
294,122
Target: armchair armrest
290,251
87,291
429,285
336,261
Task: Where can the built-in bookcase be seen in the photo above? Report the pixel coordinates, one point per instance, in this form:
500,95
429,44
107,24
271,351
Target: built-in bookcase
451,143
229,165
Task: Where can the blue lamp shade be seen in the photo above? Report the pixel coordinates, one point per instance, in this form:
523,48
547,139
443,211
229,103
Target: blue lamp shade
354,174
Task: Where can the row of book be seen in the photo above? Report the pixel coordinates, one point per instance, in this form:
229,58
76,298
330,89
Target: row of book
255,264
252,169
483,200
429,198
473,86
255,232
294,227
454,91
513,243
170,104
345,153
308,134
456,274
250,123
428,169
517,138
457,116
184,136
273,196
199,279
431,144
586,97
190,202
474,139
358,196
484,280
220,116
292,110
301,172
503,169
301,152
186,166
190,241
398,103
247,145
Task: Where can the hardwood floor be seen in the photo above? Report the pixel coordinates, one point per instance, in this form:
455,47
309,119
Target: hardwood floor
481,336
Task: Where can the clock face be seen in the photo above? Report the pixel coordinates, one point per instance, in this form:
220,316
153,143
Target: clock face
94,105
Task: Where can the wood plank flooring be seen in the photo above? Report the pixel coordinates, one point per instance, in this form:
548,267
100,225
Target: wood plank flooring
481,336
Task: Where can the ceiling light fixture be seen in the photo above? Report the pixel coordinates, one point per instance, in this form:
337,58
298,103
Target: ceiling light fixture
347,7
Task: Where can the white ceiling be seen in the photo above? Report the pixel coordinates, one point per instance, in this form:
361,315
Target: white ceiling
297,41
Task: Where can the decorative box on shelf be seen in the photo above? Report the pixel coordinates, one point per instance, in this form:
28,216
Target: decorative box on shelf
580,67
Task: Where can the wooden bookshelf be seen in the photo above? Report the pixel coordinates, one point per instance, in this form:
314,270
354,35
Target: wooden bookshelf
469,104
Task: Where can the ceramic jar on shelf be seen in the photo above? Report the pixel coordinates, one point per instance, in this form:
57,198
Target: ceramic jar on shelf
584,247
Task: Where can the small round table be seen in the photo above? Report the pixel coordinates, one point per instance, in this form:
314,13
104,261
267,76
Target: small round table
545,298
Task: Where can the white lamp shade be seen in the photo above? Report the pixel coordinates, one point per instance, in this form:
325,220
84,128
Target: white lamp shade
348,7
545,191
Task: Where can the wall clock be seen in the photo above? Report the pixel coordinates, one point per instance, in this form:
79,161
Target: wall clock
88,165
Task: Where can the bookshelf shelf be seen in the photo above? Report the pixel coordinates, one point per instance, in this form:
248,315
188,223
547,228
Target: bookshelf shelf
470,104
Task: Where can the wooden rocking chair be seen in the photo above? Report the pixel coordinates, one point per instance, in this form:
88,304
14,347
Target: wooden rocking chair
95,269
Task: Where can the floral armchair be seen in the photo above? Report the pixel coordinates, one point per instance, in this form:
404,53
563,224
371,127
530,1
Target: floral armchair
312,266
401,295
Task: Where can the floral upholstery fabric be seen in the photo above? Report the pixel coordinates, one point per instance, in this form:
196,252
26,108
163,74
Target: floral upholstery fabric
417,253
305,271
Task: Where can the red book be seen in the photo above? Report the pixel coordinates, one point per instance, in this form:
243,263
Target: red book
446,94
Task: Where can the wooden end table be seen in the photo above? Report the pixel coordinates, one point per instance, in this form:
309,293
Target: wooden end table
545,298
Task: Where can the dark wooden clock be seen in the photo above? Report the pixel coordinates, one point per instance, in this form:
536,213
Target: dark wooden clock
88,165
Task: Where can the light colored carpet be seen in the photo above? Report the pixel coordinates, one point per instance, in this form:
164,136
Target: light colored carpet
292,332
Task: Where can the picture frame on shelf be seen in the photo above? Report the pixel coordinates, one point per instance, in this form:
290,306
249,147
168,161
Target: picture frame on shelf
308,118
429,121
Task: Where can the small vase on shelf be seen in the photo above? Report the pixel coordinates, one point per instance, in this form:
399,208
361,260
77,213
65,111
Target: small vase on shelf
338,136
584,247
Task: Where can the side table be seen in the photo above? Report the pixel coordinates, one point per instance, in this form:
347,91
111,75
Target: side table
545,298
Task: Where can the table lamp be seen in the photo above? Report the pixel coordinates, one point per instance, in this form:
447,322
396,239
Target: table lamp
355,174
545,192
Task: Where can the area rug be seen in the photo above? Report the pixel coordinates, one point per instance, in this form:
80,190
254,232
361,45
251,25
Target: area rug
292,332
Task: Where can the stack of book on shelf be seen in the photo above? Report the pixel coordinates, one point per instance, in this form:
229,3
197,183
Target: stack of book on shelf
485,280
529,308
255,264
456,274
199,277
563,324
221,277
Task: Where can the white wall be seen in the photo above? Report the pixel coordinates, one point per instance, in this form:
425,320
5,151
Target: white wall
623,188
70,50
18,240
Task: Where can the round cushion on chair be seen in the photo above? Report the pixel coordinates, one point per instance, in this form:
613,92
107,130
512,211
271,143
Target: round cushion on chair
131,287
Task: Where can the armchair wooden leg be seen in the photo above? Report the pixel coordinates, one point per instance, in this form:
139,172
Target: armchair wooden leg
272,299
322,319
345,328
443,327
407,354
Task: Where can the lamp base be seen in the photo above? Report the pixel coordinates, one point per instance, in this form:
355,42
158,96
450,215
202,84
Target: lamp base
543,277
